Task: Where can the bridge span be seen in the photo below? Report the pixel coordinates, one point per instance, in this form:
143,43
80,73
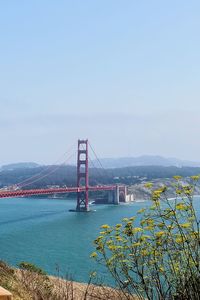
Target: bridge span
116,193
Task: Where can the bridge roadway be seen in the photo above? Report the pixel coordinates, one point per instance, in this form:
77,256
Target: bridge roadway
18,193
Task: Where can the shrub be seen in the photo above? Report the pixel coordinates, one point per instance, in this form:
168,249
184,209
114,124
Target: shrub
35,280
159,258
31,267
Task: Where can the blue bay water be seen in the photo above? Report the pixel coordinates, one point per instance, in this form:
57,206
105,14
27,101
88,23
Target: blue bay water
44,232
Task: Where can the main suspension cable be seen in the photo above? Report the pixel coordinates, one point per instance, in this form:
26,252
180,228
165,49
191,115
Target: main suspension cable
106,173
53,171
21,184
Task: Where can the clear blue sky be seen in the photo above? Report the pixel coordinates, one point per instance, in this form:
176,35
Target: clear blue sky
125,74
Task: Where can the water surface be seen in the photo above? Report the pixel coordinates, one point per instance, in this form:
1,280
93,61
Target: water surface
44,232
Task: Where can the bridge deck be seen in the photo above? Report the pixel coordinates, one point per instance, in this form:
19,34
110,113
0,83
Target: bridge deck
19,193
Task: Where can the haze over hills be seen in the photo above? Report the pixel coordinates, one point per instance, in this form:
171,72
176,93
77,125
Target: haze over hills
145,160
121,162
21,165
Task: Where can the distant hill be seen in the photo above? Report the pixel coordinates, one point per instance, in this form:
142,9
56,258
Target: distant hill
66,175
21,165
145,160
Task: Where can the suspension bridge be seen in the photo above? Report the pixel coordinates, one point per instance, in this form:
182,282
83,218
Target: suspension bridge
116,193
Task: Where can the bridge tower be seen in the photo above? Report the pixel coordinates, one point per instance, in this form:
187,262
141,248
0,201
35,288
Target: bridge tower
82,176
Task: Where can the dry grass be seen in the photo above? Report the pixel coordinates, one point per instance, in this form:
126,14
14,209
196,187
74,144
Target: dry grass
79,291
25,285
10,281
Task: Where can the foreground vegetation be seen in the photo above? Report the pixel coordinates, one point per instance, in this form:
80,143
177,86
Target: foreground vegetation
157,254
31,283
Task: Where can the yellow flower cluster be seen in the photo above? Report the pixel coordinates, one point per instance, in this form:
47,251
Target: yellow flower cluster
159,233
141,210
137,229
177,177
195,177
181,206
148,185
105,226
93,255
185,225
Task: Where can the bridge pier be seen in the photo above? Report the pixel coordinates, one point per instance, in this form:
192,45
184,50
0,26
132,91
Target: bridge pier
116,196
123,193
119,194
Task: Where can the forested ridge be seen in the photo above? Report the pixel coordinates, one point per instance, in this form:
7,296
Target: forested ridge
66,175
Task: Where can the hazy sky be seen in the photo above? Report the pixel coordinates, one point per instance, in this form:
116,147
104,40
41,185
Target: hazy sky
125,74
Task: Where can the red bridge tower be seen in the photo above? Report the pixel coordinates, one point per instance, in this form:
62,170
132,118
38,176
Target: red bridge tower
82,176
